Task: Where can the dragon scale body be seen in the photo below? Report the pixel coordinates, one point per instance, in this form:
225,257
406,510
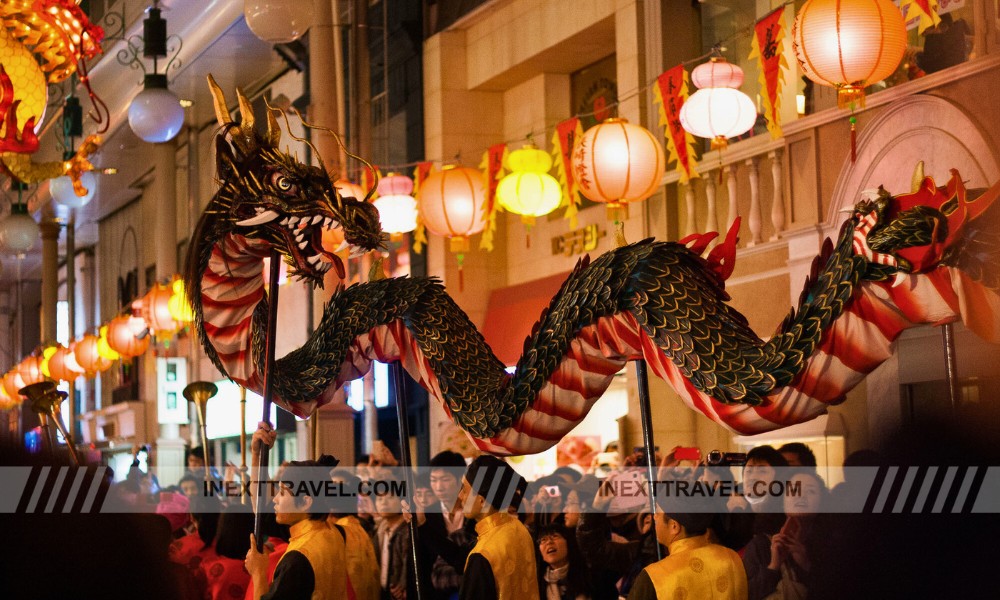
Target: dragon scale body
661,301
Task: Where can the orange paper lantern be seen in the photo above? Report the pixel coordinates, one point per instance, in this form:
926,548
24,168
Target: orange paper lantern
85,351
12,382
616,162
30,370
453,205
62,365
849,44
155,309
123,336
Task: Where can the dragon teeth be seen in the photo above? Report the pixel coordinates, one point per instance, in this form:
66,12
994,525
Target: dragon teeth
357,251
292,221
303,244
298,237
317,219
343,246
283,221
314,259
326,223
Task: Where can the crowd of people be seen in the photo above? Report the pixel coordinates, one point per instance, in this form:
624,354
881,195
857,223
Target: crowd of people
483,531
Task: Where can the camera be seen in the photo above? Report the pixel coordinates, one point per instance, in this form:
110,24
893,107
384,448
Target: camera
718,458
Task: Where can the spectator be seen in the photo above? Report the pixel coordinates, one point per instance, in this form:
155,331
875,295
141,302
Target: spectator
562,570
190,485
224,572
579,500
755,511
798,454
362,564
944,45
791,548
392,543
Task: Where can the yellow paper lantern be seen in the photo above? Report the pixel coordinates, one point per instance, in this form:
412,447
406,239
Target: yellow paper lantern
848,44
180,309
104,349
27,79
123,336
453,205
616,162
528,190
87,354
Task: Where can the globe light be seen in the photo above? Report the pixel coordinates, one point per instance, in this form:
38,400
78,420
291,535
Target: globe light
278,21
63,193
19,232
156,114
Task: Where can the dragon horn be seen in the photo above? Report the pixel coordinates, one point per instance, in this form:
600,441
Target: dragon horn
221,109
273,129
247,122
918,177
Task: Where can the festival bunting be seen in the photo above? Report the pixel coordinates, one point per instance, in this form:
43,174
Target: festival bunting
767,47
565,136
925,10
670,92
420,174
492,167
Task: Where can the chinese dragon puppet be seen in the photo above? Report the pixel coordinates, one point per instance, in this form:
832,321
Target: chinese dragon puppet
928,257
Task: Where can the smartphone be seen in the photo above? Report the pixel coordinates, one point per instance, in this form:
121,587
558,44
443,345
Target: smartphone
552,490
687,454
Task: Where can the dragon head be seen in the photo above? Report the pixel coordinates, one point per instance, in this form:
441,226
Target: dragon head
267,195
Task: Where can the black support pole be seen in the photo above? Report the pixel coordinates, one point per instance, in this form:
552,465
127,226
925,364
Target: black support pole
406,461
272,324
645,413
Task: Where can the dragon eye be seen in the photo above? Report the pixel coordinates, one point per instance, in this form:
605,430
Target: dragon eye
283,183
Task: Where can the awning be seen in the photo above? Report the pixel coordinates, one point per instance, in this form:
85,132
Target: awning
512,312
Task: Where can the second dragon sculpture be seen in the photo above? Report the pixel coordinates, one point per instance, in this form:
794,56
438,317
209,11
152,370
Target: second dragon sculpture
928,257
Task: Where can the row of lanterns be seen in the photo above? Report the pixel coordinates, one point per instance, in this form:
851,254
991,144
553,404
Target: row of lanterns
162,312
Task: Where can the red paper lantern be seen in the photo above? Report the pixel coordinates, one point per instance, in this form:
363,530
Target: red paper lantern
87,356
123,332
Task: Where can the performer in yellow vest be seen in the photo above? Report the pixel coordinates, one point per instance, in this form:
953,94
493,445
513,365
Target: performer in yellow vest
315,564
362,565
501,566
695,568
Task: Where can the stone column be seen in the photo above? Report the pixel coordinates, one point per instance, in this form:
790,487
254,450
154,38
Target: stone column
50,278
163,191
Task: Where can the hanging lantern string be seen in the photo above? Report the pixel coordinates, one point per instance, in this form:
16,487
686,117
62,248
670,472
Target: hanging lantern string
716,50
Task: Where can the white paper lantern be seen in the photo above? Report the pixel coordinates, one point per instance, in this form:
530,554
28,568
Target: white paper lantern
63,193
278,21
718,114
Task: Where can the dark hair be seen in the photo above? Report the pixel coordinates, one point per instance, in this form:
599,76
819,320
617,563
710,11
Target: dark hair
694,513
422,480
205,512
199,452
578,581
495,481
573,475
301,476
189,477
231,539
767,454
446,460
805,454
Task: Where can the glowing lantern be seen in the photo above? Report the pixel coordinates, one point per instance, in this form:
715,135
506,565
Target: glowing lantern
452,202
718,111
616,162
85,351
346,189
155,310
12,382
61,364
397,209
6,402
180,309
529,190
28,81
123,337
849,44
103,348
30,370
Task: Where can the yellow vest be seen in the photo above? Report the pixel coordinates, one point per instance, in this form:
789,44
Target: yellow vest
324,549
506,544
362,565
698,569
